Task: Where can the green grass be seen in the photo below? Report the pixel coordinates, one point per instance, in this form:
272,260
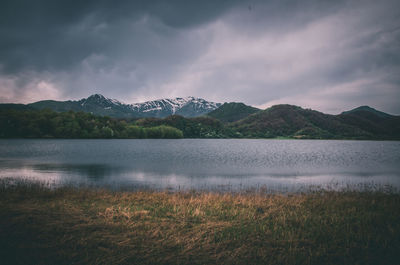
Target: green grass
89,226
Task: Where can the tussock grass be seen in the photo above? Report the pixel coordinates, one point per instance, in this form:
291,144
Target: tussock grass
91,226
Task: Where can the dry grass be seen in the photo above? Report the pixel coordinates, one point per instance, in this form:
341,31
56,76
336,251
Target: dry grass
70,226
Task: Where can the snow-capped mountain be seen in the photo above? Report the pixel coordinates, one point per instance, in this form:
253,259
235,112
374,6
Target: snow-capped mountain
100,105
100,100
187,107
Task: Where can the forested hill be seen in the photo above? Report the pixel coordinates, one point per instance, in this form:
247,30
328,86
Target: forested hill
51,124
296,122
232,121
233,111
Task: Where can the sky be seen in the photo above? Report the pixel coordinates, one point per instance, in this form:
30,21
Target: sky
330,56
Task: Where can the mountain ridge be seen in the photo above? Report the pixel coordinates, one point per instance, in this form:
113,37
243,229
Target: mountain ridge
232,111
176,105
293,121
230,120
100,105
368,109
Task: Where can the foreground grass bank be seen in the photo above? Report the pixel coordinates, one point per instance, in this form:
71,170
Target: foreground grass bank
69,226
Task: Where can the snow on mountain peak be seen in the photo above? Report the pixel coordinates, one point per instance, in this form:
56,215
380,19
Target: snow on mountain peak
173,105
100,99
186,106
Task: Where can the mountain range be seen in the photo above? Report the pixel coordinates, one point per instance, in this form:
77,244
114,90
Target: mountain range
293,121
102,106
198,118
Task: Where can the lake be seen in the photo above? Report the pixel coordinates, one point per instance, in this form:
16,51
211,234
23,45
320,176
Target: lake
204,164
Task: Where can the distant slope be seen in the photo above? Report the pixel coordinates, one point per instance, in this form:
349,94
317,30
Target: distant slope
100,105
95,104
377,123
367,109
231,112
293,121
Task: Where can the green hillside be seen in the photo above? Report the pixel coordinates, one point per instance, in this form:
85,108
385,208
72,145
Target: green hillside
231,112
51,124
376,123
296,122
278,121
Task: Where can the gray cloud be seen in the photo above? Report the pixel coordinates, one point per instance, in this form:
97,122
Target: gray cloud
53,35
327,55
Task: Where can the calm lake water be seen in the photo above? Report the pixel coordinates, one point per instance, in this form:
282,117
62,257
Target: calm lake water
204,164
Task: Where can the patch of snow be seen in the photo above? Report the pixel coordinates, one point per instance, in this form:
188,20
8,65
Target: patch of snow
153,109
173,105
115,102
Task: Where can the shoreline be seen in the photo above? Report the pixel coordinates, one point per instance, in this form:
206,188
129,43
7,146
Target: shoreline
180,139
94,226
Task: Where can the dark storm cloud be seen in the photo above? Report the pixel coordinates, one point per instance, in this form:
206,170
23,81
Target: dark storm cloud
327,55
52,35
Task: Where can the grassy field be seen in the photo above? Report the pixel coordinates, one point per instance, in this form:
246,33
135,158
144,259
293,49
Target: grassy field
88,226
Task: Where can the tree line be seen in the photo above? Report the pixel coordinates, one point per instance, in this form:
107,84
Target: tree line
50,124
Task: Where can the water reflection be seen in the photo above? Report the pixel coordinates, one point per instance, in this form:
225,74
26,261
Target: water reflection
90,171
56,175
203,164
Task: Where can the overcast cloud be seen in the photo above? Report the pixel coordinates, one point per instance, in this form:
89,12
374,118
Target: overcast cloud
326,55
